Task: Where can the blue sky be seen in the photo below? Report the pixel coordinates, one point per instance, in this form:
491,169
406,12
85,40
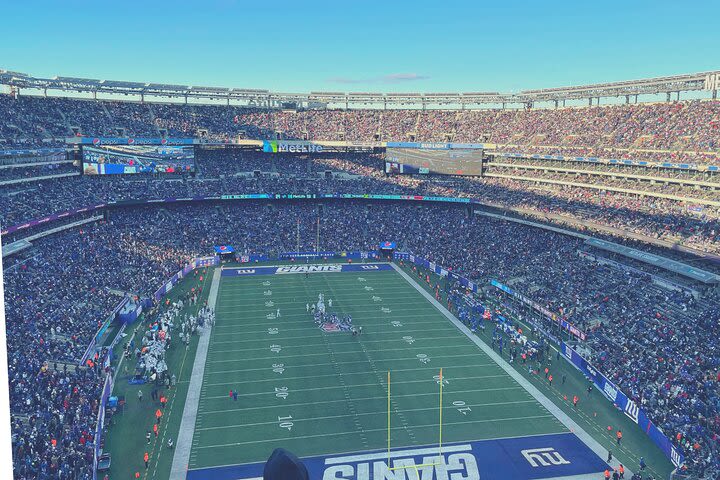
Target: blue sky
361,46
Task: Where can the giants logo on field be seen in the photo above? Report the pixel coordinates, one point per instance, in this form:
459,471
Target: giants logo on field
245,271
632,410
543,457
455,462
310,269
370,267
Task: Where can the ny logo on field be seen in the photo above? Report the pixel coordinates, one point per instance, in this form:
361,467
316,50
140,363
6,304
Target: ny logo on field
543,457
632,410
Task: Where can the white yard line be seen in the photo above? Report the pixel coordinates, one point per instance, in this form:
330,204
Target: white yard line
289,379
413,359
364,385
354,432
498,389
181,459
383,398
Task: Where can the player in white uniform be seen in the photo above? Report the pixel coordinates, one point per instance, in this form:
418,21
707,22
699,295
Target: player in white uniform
277,315
307,307
330,302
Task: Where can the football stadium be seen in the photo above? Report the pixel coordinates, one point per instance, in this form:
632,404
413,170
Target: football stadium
236,283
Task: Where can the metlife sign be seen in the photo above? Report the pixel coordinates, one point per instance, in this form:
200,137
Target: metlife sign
290,146
539,457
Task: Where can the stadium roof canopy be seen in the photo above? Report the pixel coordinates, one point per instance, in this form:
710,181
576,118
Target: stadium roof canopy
709,81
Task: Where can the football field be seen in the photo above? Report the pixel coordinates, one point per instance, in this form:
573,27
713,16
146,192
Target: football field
321,393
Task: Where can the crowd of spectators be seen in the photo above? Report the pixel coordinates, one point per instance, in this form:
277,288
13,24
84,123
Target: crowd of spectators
691,223
661,346
34,171
672,131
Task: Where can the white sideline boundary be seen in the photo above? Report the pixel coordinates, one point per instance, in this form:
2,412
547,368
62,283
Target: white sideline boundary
181,458
586,438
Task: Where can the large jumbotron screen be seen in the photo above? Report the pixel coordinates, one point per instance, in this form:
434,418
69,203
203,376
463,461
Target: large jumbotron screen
128,159
449,161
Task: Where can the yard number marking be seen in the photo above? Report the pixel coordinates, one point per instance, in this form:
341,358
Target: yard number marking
284,422
423,358
461,407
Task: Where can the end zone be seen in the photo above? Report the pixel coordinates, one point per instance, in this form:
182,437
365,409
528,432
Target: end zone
296,269
541,457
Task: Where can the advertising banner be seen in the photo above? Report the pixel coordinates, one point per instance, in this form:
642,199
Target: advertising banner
565,325
172,281
129,141
625,404
291,146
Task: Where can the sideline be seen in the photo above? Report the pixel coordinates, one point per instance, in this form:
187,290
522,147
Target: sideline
571,425
181,458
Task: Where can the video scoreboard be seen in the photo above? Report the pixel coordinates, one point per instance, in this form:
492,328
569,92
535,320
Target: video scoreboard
441,158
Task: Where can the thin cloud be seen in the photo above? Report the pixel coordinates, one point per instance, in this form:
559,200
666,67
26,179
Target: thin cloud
403,77
385,79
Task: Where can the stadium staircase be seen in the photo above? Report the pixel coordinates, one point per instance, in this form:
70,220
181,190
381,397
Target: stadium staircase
107,114
65,124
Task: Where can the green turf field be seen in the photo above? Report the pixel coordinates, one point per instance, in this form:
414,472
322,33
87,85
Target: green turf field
321,393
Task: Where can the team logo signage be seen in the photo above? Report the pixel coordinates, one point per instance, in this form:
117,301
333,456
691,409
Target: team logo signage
632,410
543,457
289,146
302,269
